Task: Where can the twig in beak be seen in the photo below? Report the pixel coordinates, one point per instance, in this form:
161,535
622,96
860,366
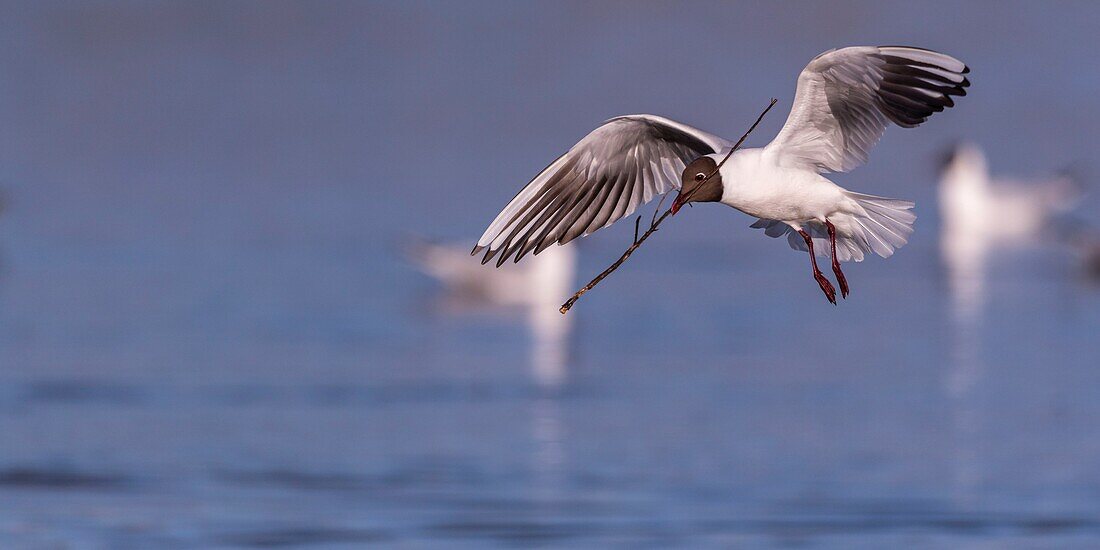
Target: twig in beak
656,210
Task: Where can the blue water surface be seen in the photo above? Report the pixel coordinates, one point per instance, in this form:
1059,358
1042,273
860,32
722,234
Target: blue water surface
209,336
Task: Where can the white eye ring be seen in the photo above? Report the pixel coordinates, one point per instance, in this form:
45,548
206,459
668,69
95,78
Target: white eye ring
700,176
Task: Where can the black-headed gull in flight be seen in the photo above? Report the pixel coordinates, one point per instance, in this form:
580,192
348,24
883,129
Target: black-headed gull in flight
844,101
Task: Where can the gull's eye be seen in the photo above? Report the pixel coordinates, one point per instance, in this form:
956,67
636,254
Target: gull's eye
700,176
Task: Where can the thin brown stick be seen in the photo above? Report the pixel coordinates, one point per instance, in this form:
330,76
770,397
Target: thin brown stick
657,221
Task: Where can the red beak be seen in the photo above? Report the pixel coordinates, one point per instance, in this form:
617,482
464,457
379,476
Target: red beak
676,204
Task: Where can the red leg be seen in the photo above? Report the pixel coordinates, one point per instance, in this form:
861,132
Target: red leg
824,283
836,263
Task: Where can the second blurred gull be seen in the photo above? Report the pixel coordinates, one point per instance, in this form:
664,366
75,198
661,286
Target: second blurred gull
976,205
536,287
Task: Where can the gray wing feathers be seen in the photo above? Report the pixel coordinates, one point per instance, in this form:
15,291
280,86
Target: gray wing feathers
772,228
846,98
606,176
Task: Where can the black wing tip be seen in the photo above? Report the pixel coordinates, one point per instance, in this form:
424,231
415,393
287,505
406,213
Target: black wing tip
526,249
489,255
507,251
911,110
965,69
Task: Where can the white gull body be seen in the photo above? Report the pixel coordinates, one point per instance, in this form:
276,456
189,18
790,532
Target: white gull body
788,199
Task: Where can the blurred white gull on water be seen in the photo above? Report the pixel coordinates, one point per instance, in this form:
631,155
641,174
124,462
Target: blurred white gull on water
981,213
537,287
1003,211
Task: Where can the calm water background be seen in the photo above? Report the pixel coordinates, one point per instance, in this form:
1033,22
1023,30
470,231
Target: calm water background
208,336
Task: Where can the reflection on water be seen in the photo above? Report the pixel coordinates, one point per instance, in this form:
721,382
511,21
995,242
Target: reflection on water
965,257
548,467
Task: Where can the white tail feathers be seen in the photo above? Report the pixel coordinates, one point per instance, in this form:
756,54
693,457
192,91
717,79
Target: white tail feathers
883,226
887,225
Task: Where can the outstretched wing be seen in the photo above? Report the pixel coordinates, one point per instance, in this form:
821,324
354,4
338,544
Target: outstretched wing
847,97
604,177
